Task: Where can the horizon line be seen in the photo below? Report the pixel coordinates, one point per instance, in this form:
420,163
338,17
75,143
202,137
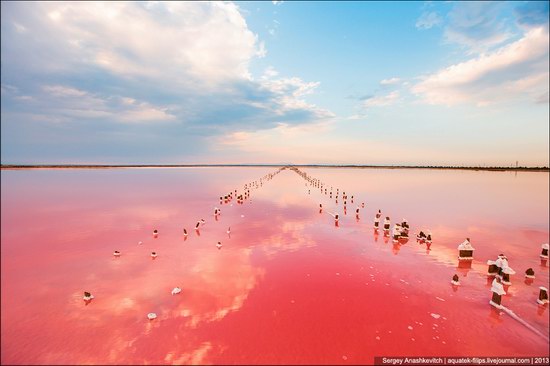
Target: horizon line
397,166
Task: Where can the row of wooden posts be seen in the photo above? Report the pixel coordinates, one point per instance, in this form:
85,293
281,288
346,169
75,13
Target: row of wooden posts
501,272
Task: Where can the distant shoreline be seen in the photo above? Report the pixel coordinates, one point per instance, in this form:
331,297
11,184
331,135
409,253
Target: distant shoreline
344,166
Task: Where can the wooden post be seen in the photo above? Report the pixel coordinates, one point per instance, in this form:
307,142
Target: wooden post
493,269
543,296
466,250
544,253
506,272
455,280
498,291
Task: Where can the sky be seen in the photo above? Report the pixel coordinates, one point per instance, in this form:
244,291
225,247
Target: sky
279,82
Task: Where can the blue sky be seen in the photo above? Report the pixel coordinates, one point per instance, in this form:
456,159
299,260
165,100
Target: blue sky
275,82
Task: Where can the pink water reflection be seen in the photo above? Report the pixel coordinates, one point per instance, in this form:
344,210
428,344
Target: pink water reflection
286,287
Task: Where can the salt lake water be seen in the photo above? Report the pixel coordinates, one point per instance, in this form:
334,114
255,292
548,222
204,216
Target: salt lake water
287,284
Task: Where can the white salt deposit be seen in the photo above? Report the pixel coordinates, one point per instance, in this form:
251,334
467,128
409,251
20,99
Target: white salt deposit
523,322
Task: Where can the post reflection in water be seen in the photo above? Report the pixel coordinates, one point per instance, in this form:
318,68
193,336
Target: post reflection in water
282,268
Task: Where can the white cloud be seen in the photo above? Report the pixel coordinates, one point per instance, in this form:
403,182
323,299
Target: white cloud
24,97
181,48
63,91
288,95
513,71
277,2
189,43
382,100
391,81
143,112
270,72
261,52
357,116
294,86
477,26
182,66
428,20
196,54
9,89
273,29
63,101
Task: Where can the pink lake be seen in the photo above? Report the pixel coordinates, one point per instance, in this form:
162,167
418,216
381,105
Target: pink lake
286,287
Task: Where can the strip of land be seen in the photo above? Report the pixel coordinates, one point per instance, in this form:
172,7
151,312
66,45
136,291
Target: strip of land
108,166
